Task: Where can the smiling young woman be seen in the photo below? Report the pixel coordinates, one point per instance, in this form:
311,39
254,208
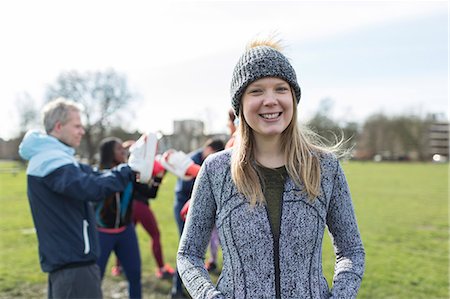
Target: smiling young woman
271,198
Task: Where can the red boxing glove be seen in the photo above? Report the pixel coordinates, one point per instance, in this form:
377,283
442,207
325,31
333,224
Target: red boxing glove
157,168
179,164
193,170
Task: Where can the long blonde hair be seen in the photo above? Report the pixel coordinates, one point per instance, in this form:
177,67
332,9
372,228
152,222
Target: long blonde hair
301,149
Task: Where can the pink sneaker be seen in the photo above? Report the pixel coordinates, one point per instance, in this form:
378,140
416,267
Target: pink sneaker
165,272
116,270
211,266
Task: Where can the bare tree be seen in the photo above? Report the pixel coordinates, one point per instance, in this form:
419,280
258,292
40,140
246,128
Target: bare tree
27,111
103,95
331,130
396,137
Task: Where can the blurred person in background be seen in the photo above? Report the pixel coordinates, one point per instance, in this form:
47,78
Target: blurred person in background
114,222
143,214
231,124
183,190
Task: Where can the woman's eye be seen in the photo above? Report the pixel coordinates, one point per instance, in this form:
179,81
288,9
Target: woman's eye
255,91
282,89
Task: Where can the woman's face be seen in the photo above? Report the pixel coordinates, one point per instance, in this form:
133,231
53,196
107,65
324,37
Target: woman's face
120,153
268,105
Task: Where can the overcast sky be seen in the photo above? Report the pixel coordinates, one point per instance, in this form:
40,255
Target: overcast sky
367,57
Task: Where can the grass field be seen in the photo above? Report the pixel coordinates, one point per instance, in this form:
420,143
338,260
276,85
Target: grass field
402,210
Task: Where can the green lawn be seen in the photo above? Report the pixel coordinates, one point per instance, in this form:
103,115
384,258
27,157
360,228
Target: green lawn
402,210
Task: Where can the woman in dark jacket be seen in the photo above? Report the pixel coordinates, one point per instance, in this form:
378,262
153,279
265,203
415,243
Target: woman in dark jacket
114,221
143,213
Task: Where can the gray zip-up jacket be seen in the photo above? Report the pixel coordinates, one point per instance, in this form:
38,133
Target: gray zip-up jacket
247,242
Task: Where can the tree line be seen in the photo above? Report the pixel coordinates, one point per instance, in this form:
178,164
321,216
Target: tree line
395,137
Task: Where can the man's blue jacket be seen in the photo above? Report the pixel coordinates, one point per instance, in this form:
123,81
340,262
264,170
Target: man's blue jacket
59,191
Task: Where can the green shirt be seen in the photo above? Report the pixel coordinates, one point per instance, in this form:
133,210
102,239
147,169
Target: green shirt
273,180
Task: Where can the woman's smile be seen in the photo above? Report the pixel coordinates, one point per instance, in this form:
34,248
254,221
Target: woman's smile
268,106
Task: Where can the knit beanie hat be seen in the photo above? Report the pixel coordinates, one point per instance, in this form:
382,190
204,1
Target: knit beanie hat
257,63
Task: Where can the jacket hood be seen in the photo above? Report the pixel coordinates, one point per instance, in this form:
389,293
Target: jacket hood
45,153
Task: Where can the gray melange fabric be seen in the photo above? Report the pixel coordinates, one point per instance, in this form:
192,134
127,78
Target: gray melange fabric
247,244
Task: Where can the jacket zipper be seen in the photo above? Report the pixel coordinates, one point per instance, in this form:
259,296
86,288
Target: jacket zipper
87,246
117,223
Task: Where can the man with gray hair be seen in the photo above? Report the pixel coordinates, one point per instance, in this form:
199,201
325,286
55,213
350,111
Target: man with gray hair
60,190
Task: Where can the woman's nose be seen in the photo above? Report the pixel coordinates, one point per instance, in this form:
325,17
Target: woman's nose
270,98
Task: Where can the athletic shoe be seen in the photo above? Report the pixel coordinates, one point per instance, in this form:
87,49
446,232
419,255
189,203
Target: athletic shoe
165,272
142,156
116,270
211,266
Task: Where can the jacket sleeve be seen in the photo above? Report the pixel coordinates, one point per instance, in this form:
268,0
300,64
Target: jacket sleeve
348,247
82,183
195,239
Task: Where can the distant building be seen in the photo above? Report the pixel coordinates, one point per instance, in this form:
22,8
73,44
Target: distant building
9,149
438,140
188,135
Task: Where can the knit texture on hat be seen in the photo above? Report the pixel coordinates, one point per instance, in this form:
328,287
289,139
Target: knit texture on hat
257,63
